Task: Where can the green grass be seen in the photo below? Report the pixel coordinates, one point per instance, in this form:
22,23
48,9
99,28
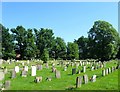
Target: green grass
67,80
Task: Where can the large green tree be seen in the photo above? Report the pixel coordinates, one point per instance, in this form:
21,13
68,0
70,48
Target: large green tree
83,47
8,51
103,41
44,40
59,48
19,34
30,46
72,51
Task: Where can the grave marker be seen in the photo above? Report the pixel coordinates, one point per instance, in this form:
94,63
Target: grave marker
78,81
85,78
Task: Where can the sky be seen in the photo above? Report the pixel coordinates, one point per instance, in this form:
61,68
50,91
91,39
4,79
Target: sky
68,20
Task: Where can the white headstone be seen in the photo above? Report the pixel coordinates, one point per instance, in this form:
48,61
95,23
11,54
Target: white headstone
17,69
33,71
26,68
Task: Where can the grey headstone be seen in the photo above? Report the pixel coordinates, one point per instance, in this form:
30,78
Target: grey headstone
57,74
85,78
7,84
53,69
106,71
73,71
78,81
47,65
13,74
39,67
24,73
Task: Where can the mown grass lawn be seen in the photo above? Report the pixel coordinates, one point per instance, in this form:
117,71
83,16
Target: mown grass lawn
67,80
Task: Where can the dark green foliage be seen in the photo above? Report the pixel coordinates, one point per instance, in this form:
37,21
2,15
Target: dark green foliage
59,48
83,47
45,55
72,51
103,41
8,51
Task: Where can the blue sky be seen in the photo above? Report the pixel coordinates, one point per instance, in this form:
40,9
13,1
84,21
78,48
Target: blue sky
67,20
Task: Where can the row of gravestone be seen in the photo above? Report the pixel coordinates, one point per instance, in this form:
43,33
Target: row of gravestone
108,70
84,79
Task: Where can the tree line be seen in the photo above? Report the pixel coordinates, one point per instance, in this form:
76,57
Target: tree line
102,43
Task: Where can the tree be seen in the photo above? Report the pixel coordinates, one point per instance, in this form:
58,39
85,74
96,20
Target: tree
103,41
118,54
83,47
59,48
20,39
72,51
8,51
45,55
30,46
44,39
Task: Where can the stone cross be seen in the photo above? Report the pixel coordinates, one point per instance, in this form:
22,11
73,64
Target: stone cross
85,78
78,81
33,71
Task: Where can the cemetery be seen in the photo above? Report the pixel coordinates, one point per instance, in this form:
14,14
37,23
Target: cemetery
59,46
60,75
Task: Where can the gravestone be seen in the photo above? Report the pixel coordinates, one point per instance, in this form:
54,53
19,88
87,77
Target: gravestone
65,68
22,63
24,73
112,70
38,79
33,71
49,79
5,70
84,69
39,67
109,70
78,72
73,71
57,74
17,69
106,71
92,68
77,64
78,81
26,68
53,69
93,79
2,75
85,78
47,65
103,72
7,84
13,74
